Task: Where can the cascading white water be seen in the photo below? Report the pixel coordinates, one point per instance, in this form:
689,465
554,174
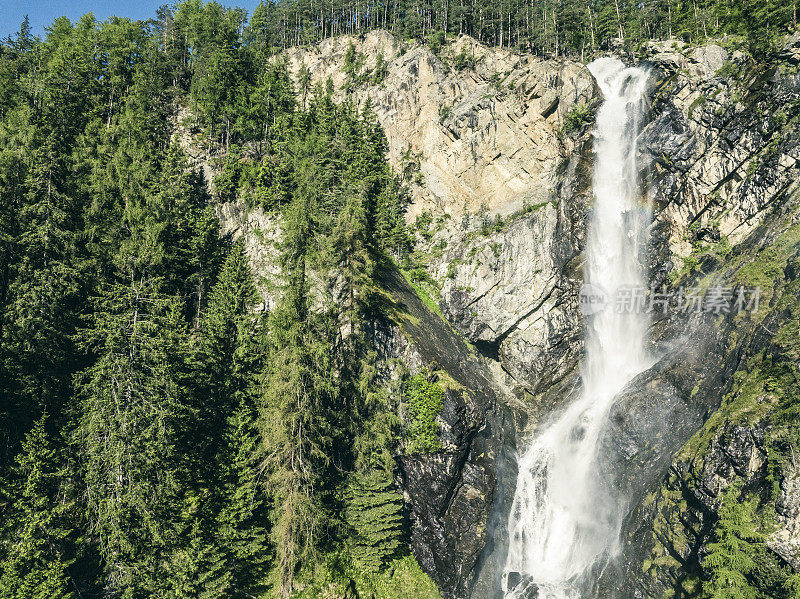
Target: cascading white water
563,519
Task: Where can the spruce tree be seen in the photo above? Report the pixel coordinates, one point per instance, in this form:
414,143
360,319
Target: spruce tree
37,529
242,521
294,420
191,229
732,554
126,435
374,514
220,357
230,353
41,300
198,569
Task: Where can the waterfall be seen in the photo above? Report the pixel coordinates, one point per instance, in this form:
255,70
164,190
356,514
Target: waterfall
563,518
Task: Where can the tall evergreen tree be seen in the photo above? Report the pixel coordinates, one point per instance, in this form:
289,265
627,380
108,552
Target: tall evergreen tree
245,512
732,554
294,420
36,566
131,407
222,353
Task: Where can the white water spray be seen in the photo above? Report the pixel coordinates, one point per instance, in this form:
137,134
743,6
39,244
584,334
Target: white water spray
563,519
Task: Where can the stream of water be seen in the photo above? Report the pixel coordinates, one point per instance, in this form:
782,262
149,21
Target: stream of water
563,518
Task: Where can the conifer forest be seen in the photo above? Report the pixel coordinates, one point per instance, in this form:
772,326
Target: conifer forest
173,423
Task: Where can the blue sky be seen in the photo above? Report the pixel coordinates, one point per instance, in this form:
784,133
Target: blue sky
43,12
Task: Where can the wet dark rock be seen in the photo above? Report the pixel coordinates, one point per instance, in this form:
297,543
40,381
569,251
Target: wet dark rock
522,586
514,578
452,493
669,140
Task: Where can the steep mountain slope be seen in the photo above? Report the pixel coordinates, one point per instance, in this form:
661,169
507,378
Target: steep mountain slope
725,148
496,151
279,321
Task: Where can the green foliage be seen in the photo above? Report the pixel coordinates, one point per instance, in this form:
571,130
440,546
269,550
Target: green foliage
463,60
496,80
765,391
353,65
210,448
374,512
698,102
444,113
304,82
572,28
732,554
424,399
338,575
226,184
578,117
424,286
729,70
158,437
295,416
403,578
243,514
380,71
35,564
130,413
436,41
198,570
738,563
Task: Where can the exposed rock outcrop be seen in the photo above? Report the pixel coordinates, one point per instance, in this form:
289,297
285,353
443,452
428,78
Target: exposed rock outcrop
488,140
261,234
724,145
721,150
483,136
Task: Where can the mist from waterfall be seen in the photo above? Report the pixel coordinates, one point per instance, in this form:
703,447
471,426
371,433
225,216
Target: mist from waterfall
564,519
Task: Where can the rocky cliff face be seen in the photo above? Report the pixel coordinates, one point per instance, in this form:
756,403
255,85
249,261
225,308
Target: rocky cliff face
499,188
725,162
484,135
499,169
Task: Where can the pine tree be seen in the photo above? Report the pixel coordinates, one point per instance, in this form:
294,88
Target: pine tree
294,419
198,570
732,554
374,513
36,567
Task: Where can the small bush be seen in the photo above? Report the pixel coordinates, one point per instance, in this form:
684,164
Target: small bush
729,70
425,400
580,115
699,102
227,182
463,60
496,80
380,71
436,42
